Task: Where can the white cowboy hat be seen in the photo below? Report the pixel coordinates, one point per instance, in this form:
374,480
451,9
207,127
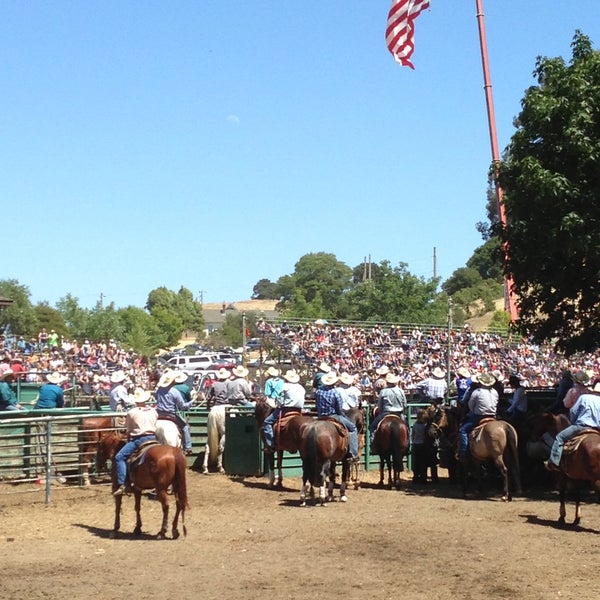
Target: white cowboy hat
324,367
464,372
166,379
329,378
240,371
140,395
382,370
392,378
291,376
223,373
6,373
346,379
273,372
438,373
180,377
118,377
56,378
486,379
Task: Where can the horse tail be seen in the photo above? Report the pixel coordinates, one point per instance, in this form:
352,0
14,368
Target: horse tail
512,458
310,463
180,485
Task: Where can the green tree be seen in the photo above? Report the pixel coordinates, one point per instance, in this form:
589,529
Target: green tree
19,318
551,181
51,318
181,304
104,323
75,317
464,277
265,289
141,331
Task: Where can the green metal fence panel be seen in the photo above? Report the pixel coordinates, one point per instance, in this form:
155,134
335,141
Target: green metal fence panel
243,453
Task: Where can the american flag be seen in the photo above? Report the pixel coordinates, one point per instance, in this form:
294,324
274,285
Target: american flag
400,29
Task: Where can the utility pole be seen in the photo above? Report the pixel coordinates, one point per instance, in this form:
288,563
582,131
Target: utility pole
202,292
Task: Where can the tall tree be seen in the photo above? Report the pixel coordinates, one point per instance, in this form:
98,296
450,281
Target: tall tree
551,181
20,317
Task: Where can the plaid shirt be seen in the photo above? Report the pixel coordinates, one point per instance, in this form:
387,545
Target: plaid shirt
328,401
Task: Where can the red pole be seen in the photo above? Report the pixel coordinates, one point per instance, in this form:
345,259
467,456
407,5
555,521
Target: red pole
509,300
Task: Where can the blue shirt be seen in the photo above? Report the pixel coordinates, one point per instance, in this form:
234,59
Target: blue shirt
50,396
586,411
273,388
170,400
328,401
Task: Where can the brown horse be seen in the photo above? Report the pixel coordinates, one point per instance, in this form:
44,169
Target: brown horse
493,440
323,443
580,463
92,430
391,443
288,432
162,467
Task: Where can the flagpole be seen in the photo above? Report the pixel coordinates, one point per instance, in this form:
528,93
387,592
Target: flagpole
509,300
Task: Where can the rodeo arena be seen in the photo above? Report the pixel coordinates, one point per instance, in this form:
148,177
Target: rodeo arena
430,448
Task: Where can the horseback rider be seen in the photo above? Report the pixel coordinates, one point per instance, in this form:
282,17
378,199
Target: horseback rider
141,425
273,386
217,393
291,399
391,401
329,404
483,402
585,414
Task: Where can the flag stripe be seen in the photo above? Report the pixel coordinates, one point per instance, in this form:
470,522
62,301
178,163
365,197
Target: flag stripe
399,34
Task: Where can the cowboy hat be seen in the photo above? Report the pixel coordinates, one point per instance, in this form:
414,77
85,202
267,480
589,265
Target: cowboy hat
180,377
324,367
438,373
346,379
7,373
240,371
118,377
392,378
166,379
223,373
291,376
329,378
486,379
56,378
382,370
581,377
273,372
464,372
140,395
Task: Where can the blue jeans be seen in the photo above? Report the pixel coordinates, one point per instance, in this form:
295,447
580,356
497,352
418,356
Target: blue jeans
351,427
271,419
125,452
463,433
559,442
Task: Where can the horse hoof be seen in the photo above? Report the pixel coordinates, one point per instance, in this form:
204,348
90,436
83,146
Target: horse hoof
576,522
113,535
221,470
137,531
175,534
161,535
343,499
303,503
204,471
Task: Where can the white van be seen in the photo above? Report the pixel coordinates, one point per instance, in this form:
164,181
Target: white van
191,364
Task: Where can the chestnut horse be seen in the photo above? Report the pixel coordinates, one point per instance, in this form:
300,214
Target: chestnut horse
392,444
323,443
580,462
287,434
162,466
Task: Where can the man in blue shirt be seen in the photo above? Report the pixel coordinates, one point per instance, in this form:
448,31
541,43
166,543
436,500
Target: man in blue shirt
329,403
51,395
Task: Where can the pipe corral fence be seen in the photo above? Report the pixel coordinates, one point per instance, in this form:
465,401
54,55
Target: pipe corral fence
41,451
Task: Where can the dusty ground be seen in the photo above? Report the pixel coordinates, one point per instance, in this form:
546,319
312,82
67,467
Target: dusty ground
245,541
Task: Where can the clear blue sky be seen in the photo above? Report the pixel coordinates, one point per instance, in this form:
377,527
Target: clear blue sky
212,143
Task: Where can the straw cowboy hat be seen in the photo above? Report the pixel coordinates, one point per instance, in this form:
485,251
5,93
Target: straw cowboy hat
118,377
392,378
56,378
140,396
166,379
581,377
180,377
273,372
464,372
383,370
223,373
6,373
329,378
291,376
486,379
240,371
346,379
438,373
324,367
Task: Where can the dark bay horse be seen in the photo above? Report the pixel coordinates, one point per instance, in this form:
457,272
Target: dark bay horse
493,440
162,467
287,434
392,444
324,442
580,463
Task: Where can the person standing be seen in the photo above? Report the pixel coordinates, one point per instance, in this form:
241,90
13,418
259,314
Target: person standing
51,394
141,427
329,404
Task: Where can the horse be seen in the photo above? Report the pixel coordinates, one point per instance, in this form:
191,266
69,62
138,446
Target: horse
288,432
391,443
215,443
493,440
323,443
580,463
92,430
357,416
168,433
162,467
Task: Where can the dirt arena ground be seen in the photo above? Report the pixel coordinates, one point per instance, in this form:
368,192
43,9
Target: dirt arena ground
245,541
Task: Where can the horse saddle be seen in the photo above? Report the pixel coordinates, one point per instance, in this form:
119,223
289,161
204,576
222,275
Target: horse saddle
138,457
573,443
389,417
341,429
286,417
477,432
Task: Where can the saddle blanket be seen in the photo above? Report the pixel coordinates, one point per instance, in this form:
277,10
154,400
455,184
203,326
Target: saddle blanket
340,428
138,457
478,431
573,443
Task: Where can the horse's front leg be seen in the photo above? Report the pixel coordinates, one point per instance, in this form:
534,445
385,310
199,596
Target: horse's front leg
577,520
206,457
220,454
117,525
331,484
507,497
279,468
137,493
345,477
562,493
